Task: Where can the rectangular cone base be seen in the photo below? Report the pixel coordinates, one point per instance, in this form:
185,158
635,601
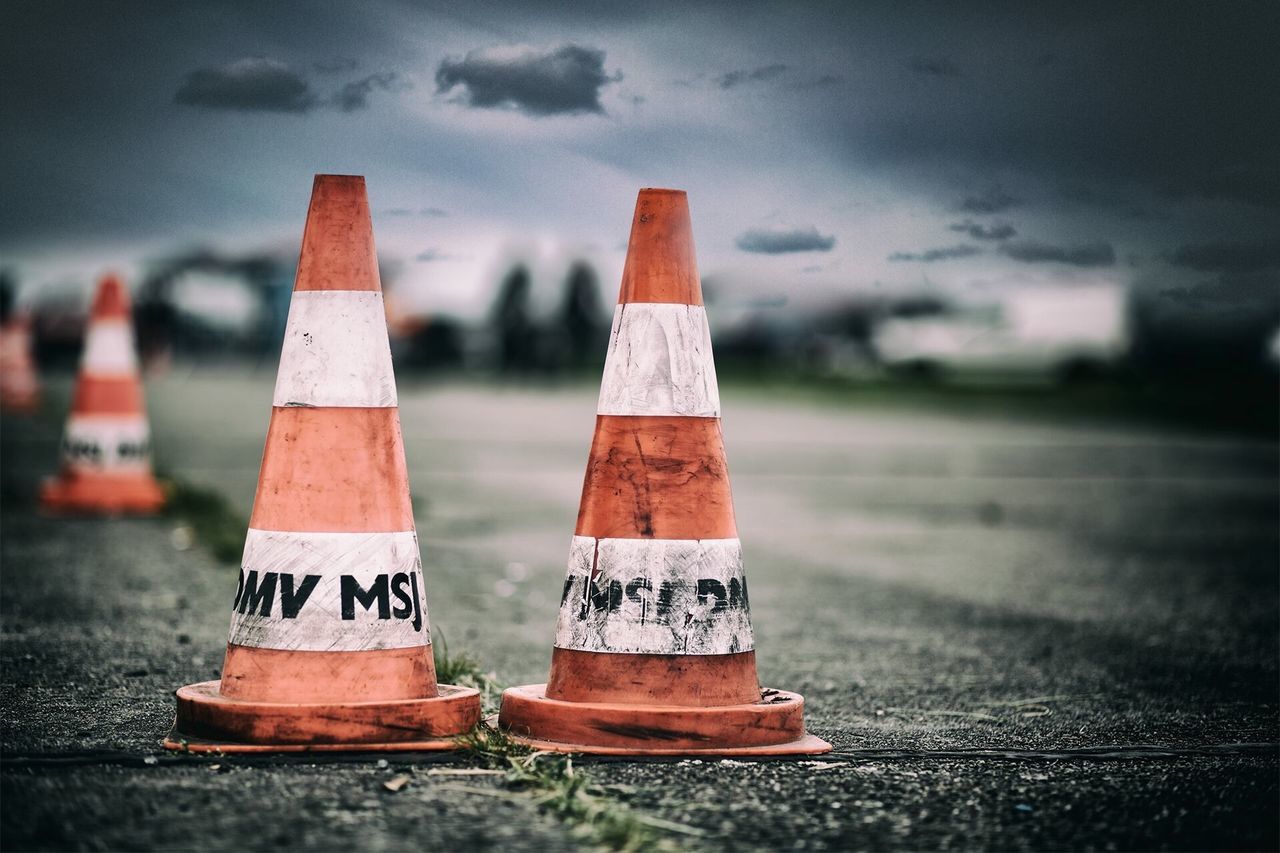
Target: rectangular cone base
773,726
109,496
209,722
806,745
178,742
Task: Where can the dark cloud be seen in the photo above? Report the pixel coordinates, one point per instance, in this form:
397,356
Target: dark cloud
429,255
1032,252
992,200
427,212
1228,257
355,95
978,231
934,67
754,75
1253,296
251,84
338,65
556,81
781,242
946,253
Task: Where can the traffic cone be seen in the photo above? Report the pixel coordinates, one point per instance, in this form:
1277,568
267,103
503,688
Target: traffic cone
329,646
106,449
653,649
19,383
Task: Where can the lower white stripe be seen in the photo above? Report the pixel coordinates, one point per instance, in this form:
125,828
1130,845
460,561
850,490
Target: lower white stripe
108,348
659,362
655,596
323,592
104,442
336,351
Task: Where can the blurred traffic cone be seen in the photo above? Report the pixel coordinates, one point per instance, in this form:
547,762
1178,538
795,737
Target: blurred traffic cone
19,383
329,645
653,650
106,449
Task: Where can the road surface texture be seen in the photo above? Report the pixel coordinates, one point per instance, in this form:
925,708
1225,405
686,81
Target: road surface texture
1019,633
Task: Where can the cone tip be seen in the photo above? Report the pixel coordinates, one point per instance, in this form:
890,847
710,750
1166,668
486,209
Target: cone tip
657,190
111,299
338,179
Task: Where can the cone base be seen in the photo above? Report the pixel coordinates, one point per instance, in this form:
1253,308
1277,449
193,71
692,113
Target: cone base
771,727
134,494
209,722
23,405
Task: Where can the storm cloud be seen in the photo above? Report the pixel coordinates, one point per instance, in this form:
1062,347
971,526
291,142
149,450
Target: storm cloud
934,67
754,75
992,200
538,82
978,231
945,253
251,84
766,242
355,95
1228,257
1034,252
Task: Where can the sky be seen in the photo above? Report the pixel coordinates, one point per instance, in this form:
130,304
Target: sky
825,147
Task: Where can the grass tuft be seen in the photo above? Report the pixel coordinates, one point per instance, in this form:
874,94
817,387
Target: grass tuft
214,524
463,670
557,786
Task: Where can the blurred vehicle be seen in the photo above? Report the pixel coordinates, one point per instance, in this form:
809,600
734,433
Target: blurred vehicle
1034,334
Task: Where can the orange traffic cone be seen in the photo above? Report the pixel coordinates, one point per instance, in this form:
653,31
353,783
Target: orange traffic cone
19,384
329,645
653,650
106,449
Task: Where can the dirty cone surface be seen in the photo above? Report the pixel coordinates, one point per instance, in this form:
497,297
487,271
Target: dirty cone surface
1017,634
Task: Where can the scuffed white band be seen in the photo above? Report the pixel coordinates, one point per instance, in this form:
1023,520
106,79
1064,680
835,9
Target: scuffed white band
108,348
321,592
102,442
655,596
659,362
336,351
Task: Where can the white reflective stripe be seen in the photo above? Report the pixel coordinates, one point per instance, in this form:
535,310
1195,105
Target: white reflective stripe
322,592
659,362
105,441
336,351
108,348
655,596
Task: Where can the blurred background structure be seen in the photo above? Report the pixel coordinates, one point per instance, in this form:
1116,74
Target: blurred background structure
1045,197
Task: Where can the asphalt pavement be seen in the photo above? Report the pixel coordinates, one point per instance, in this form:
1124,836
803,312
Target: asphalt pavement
1031,632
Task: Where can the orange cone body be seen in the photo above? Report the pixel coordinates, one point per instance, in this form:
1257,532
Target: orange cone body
329,646
653,651
19,383
106,449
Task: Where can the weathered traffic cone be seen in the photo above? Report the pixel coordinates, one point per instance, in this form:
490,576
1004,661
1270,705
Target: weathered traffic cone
106,449
329,645
653,650
19,382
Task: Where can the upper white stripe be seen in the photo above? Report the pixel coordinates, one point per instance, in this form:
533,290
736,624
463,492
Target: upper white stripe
108,348
336,351
384,565
655,596
659,362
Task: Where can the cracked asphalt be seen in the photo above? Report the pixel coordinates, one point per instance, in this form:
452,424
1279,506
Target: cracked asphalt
972,605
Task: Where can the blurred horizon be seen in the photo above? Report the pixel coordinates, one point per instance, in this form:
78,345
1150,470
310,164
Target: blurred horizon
984,191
